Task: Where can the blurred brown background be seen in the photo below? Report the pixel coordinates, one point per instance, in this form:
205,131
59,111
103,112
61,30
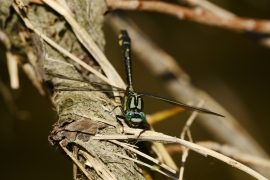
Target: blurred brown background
231,67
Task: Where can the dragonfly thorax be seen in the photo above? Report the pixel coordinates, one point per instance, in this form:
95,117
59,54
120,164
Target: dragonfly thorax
133,102
133,108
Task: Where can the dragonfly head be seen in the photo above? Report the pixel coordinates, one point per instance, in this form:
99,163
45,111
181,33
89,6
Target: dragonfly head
134,119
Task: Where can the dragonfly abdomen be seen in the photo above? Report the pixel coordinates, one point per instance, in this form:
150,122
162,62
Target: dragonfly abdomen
125,43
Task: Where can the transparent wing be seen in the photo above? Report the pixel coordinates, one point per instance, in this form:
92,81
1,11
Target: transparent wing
185,106
96,86
85,89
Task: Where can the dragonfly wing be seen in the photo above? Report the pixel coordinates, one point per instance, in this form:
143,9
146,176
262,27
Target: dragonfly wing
97,86
84,89
185,106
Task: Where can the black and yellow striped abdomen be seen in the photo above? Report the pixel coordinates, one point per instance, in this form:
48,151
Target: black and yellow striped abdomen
125,43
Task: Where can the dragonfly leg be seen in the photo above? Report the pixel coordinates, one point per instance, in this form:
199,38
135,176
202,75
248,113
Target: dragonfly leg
145,126
118,117
120,107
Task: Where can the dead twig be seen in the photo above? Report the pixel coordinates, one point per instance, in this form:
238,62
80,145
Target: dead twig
75,161
237,154
99,166
144,164
154,136
144,155
207,5
186,130
223,13
197,15
227,150
11,61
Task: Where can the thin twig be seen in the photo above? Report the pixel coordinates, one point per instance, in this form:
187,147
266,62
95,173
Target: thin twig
154,136
144,155
75,161
144,164
100,168
229,151
205,4
186,129
223,13
164,155
75,154
237,154
11,61
13,70
30,73
197,15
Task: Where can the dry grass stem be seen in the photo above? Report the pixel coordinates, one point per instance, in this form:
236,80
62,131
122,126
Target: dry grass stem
163,155
88,43
186,130
75,151
76,161
11,61
30,73
99,167
149,136
237,154
13,70
227,150
183,160
144,155
147,165
159,137
59,48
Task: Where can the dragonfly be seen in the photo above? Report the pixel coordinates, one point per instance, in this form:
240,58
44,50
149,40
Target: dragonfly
132,103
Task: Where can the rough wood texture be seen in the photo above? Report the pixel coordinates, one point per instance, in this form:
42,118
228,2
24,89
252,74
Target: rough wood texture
78,112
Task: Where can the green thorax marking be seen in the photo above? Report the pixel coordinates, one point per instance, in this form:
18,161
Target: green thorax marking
133,102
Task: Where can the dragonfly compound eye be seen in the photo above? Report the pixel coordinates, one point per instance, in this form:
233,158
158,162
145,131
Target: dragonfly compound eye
143,116
129,115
